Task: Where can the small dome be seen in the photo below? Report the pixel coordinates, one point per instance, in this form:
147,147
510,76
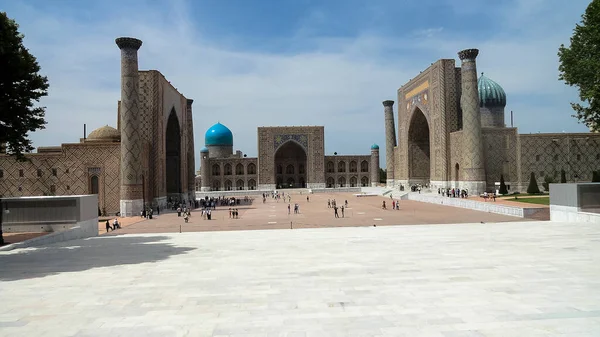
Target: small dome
491,93
218,134
203,150
105,133
374,147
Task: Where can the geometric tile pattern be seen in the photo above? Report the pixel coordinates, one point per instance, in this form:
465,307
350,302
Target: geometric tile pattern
548,154
281,139
74,165
131,142
472,166
390,136
311,138
475,137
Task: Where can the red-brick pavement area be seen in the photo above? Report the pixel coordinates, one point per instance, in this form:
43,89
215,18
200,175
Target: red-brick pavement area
361,211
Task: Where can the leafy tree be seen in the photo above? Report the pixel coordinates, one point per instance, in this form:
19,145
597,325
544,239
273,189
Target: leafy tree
533,187
563,176
20,87
382,175
580,66
503,190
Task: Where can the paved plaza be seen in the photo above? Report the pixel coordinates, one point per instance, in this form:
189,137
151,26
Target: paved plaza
493,279
361,211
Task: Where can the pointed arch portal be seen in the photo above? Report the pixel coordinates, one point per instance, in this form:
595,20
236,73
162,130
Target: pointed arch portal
292,157
419,157
173,155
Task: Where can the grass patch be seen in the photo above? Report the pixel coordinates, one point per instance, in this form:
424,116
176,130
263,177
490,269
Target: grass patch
538,201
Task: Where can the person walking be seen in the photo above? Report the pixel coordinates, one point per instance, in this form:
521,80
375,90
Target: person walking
335,210
108,227
342,211
289,208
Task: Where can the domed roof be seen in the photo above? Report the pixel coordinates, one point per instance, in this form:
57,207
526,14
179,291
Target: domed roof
105,133
374,147
491,93
203,150
218,134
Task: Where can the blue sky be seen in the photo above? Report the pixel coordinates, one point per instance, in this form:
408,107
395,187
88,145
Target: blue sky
294,62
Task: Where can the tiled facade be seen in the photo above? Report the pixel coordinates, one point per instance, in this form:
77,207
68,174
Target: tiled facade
96,165
433,148
289,157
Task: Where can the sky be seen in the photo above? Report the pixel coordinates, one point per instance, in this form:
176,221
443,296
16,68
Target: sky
251,63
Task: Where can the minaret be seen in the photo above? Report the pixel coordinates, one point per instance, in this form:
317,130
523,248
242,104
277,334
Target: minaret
473,160
131,149
191,161
374,165
390,140
204,170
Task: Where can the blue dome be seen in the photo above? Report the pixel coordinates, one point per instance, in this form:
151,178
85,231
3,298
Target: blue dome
218,134
203,150
374,147
491,93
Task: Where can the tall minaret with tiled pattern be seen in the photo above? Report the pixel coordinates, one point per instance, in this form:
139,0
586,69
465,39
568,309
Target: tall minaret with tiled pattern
131,202
472,166
390,140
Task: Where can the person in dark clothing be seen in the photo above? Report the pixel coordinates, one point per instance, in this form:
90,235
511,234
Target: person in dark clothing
335,211
108,226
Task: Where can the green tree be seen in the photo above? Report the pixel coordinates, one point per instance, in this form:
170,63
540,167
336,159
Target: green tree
563,176
382,175
20,87
503,190
580,66
533,187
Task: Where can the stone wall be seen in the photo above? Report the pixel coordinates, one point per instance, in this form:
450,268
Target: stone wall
68,171
546,154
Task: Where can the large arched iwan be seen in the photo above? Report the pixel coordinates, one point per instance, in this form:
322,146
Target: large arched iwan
291,153
173,156
419,156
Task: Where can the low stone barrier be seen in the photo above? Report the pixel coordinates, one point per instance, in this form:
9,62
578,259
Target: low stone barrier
572,214
80,230
336,190
489,207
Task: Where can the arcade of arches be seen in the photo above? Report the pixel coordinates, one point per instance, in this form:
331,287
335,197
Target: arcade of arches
288,157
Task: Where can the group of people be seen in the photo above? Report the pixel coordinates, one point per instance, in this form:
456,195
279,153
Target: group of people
395,204
233,213
116,225
487,196
453,192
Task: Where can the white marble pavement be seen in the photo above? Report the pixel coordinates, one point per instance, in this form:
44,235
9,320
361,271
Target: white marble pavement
509,279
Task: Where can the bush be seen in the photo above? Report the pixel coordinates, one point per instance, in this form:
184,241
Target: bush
547,181
503,190
563,176
533,187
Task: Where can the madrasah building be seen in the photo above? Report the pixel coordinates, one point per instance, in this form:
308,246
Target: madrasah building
451,134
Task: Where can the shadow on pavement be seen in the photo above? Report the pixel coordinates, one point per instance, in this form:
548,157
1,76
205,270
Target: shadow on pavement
79,255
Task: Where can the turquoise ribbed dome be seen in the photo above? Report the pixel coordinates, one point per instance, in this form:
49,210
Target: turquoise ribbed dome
374,147
491,93
218,135
203,150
